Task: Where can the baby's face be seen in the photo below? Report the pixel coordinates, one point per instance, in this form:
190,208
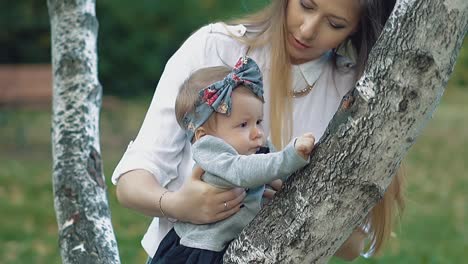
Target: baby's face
243,128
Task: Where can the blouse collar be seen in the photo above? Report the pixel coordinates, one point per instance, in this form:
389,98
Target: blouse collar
312,70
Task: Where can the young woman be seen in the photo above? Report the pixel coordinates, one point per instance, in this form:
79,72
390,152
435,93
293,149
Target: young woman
296,44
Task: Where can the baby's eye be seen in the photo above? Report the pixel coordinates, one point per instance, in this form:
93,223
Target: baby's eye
259,122
244,124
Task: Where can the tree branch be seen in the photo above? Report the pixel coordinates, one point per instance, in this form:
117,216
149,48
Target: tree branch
376,124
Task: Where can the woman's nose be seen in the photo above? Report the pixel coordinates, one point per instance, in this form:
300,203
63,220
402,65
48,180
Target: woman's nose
310,26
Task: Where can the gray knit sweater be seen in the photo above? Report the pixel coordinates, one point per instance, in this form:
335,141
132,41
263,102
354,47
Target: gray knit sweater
225,168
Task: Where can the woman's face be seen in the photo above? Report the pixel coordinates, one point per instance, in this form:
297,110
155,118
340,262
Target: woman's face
316,26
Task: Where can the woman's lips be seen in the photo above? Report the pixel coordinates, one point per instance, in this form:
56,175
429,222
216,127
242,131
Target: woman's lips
296,43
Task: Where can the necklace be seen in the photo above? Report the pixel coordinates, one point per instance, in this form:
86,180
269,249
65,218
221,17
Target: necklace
303,92
306,90
314,70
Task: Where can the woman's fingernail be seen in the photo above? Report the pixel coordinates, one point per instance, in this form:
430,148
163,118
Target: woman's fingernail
242,206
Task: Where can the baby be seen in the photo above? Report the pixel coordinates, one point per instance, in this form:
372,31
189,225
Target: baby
221,110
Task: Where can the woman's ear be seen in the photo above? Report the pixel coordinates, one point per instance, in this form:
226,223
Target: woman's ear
199,133
355,29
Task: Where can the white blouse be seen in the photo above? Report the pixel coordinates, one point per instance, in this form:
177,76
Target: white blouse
161,146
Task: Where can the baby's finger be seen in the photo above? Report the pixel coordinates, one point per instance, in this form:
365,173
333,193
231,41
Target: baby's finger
300,146
269,193
306,149
197,173
309,135
276,185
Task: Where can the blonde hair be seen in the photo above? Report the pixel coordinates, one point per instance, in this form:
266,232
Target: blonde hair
270,22
381,220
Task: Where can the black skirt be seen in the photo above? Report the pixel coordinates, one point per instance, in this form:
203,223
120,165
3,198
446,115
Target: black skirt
170,251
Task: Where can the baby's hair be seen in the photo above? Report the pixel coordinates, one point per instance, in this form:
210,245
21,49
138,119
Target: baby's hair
189,91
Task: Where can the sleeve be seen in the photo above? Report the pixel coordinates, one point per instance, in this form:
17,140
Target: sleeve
270,145
246,171
344,77
158,147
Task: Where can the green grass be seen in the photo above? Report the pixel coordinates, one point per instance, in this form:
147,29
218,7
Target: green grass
434,228
28,229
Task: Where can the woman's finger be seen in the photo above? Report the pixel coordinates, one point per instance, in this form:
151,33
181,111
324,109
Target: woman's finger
226,214
229,195
226,205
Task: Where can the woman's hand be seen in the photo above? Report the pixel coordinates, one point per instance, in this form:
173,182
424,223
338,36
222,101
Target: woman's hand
200,203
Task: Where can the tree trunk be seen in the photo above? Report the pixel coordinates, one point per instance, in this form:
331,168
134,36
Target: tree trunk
80,199
365,142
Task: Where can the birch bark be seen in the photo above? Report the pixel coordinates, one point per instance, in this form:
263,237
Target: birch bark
80,199
370,134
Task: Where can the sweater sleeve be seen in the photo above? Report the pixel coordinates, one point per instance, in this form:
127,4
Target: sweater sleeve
226,168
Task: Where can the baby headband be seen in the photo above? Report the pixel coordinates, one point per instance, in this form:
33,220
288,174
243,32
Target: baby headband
217,96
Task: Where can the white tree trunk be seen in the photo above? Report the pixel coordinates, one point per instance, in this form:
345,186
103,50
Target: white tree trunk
80,199
365,142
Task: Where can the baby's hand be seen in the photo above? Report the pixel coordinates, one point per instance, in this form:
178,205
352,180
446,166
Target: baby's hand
304,145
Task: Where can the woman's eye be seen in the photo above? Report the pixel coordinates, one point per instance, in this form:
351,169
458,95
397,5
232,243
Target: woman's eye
335,25
306,5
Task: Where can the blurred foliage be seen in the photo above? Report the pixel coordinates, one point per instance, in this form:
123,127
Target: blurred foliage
25,36
459,77
135,40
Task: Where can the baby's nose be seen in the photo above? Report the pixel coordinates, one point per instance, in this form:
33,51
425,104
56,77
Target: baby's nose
257,132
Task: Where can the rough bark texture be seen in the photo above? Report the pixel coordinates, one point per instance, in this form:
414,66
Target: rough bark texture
80,199
365,142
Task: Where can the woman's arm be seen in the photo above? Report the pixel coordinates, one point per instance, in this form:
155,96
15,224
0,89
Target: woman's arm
138,190
195,202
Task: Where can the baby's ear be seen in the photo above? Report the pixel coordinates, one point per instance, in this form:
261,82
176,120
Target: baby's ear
199,133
